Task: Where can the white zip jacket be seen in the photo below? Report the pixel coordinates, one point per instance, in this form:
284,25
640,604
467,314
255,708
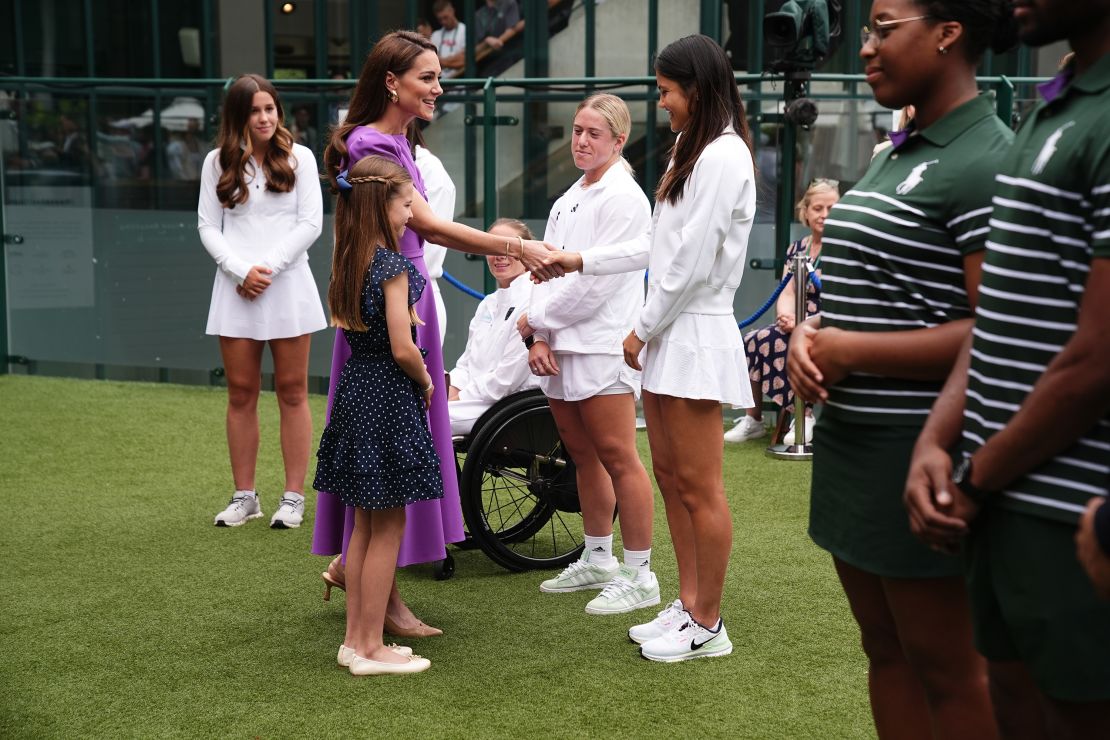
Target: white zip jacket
495,361
589,314
696,250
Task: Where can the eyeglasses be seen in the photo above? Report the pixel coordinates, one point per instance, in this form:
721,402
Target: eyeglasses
876,36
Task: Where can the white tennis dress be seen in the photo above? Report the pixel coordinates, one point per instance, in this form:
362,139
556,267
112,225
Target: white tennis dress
695,256
270,229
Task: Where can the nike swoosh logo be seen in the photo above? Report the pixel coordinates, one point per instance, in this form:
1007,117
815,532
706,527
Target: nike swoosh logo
695,645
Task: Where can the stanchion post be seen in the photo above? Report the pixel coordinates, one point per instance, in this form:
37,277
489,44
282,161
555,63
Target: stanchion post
801,449
801,284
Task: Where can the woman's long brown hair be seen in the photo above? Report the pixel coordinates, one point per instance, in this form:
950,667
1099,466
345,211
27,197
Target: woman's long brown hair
234,143
361,224
700,66
395,52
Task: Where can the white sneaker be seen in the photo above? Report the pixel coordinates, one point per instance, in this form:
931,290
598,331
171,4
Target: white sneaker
625,593
687,642
243,507
668,619
788,438
747,428
290,512
579,576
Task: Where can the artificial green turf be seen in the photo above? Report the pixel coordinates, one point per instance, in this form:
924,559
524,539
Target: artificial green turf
125,613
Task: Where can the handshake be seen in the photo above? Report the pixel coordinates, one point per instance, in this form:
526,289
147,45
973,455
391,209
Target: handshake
546,261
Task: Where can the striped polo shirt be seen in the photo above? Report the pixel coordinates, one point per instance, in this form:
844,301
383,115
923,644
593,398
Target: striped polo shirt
1051,218
894,247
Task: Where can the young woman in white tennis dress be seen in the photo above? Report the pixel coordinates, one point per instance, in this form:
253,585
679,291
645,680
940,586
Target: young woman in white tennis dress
260,210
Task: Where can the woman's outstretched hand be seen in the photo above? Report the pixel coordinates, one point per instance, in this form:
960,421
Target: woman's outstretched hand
536,259
558,261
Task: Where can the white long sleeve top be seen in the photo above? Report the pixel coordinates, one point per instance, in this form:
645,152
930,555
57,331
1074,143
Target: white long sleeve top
591,314
495,361
696,250
441,199
270,229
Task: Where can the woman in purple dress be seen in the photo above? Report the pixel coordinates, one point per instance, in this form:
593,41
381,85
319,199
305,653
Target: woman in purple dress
398,84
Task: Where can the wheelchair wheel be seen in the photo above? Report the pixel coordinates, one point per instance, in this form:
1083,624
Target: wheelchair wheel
519,492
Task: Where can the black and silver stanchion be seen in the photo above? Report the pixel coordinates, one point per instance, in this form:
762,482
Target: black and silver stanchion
802,449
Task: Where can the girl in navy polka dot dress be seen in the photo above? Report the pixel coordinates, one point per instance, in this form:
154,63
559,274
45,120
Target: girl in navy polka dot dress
376,452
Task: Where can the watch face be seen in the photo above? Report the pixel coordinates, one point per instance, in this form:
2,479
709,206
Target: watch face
960,474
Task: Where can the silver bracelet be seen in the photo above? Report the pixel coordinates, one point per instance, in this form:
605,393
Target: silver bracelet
431,386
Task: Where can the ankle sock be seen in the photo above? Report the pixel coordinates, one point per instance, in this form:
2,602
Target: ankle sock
599,550
640,560
247,491
294,493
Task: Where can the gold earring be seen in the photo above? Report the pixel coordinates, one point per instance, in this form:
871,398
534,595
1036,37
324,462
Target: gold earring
392,96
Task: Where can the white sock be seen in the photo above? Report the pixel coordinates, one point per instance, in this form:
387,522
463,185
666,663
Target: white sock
249,492
295,494
640,560
599,550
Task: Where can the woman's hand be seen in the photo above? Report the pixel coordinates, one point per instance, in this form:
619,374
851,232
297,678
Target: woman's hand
541,360
632,347
256,281
537,259
785,322
427,392
523,327
452,393
557,263
825,352
242,293
805,377
1090,553
934,516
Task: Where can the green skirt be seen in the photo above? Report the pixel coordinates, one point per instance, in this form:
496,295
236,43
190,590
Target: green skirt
856,510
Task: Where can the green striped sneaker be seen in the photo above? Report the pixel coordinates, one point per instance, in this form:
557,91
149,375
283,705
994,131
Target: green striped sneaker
624,593
579,576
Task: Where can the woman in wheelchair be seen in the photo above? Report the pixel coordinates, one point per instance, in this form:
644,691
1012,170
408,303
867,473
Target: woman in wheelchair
494,364
574,328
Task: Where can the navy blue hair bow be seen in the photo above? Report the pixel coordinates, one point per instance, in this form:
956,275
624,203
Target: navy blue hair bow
341,181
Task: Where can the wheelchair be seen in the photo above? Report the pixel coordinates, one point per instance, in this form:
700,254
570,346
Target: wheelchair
518,487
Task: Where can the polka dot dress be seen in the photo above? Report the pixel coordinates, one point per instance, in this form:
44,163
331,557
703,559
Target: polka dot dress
766,348
377,452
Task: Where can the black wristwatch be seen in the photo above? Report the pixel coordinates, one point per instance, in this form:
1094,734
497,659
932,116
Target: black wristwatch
529,341
961,476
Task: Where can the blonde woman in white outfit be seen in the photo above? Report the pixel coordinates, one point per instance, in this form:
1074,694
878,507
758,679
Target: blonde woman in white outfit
575,327
494,364
260,209
685,336
441,199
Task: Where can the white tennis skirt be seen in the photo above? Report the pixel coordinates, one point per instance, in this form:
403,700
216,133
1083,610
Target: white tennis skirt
290,307
585,376
699,356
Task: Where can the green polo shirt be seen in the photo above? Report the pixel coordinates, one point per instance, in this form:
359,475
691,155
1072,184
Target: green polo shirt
894,247
1051,219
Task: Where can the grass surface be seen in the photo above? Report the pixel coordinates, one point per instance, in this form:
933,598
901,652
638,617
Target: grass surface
125,613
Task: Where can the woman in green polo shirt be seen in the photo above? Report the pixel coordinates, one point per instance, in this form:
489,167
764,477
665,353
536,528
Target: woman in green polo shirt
901,267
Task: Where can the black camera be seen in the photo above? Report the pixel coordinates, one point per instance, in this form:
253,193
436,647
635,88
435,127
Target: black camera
801,34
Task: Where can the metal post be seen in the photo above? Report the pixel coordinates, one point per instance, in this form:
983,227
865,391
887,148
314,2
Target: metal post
650,168
4,324
801,449
590,7
489,171
711,19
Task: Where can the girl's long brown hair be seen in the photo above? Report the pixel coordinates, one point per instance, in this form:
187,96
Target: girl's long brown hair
395,52
700,66
361,224
234,143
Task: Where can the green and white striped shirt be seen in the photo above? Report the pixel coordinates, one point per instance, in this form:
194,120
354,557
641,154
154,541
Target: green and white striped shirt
894,248
1051,219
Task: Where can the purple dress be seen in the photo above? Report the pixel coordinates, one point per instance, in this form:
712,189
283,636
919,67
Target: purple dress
429,525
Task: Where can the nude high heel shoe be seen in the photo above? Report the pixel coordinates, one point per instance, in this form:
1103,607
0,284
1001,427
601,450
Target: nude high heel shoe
333,578
420,630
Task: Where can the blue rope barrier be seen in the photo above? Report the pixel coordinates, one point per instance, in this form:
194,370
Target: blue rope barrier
462,286
767,304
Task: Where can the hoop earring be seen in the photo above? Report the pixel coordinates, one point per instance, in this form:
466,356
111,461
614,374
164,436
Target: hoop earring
942,50
392,96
